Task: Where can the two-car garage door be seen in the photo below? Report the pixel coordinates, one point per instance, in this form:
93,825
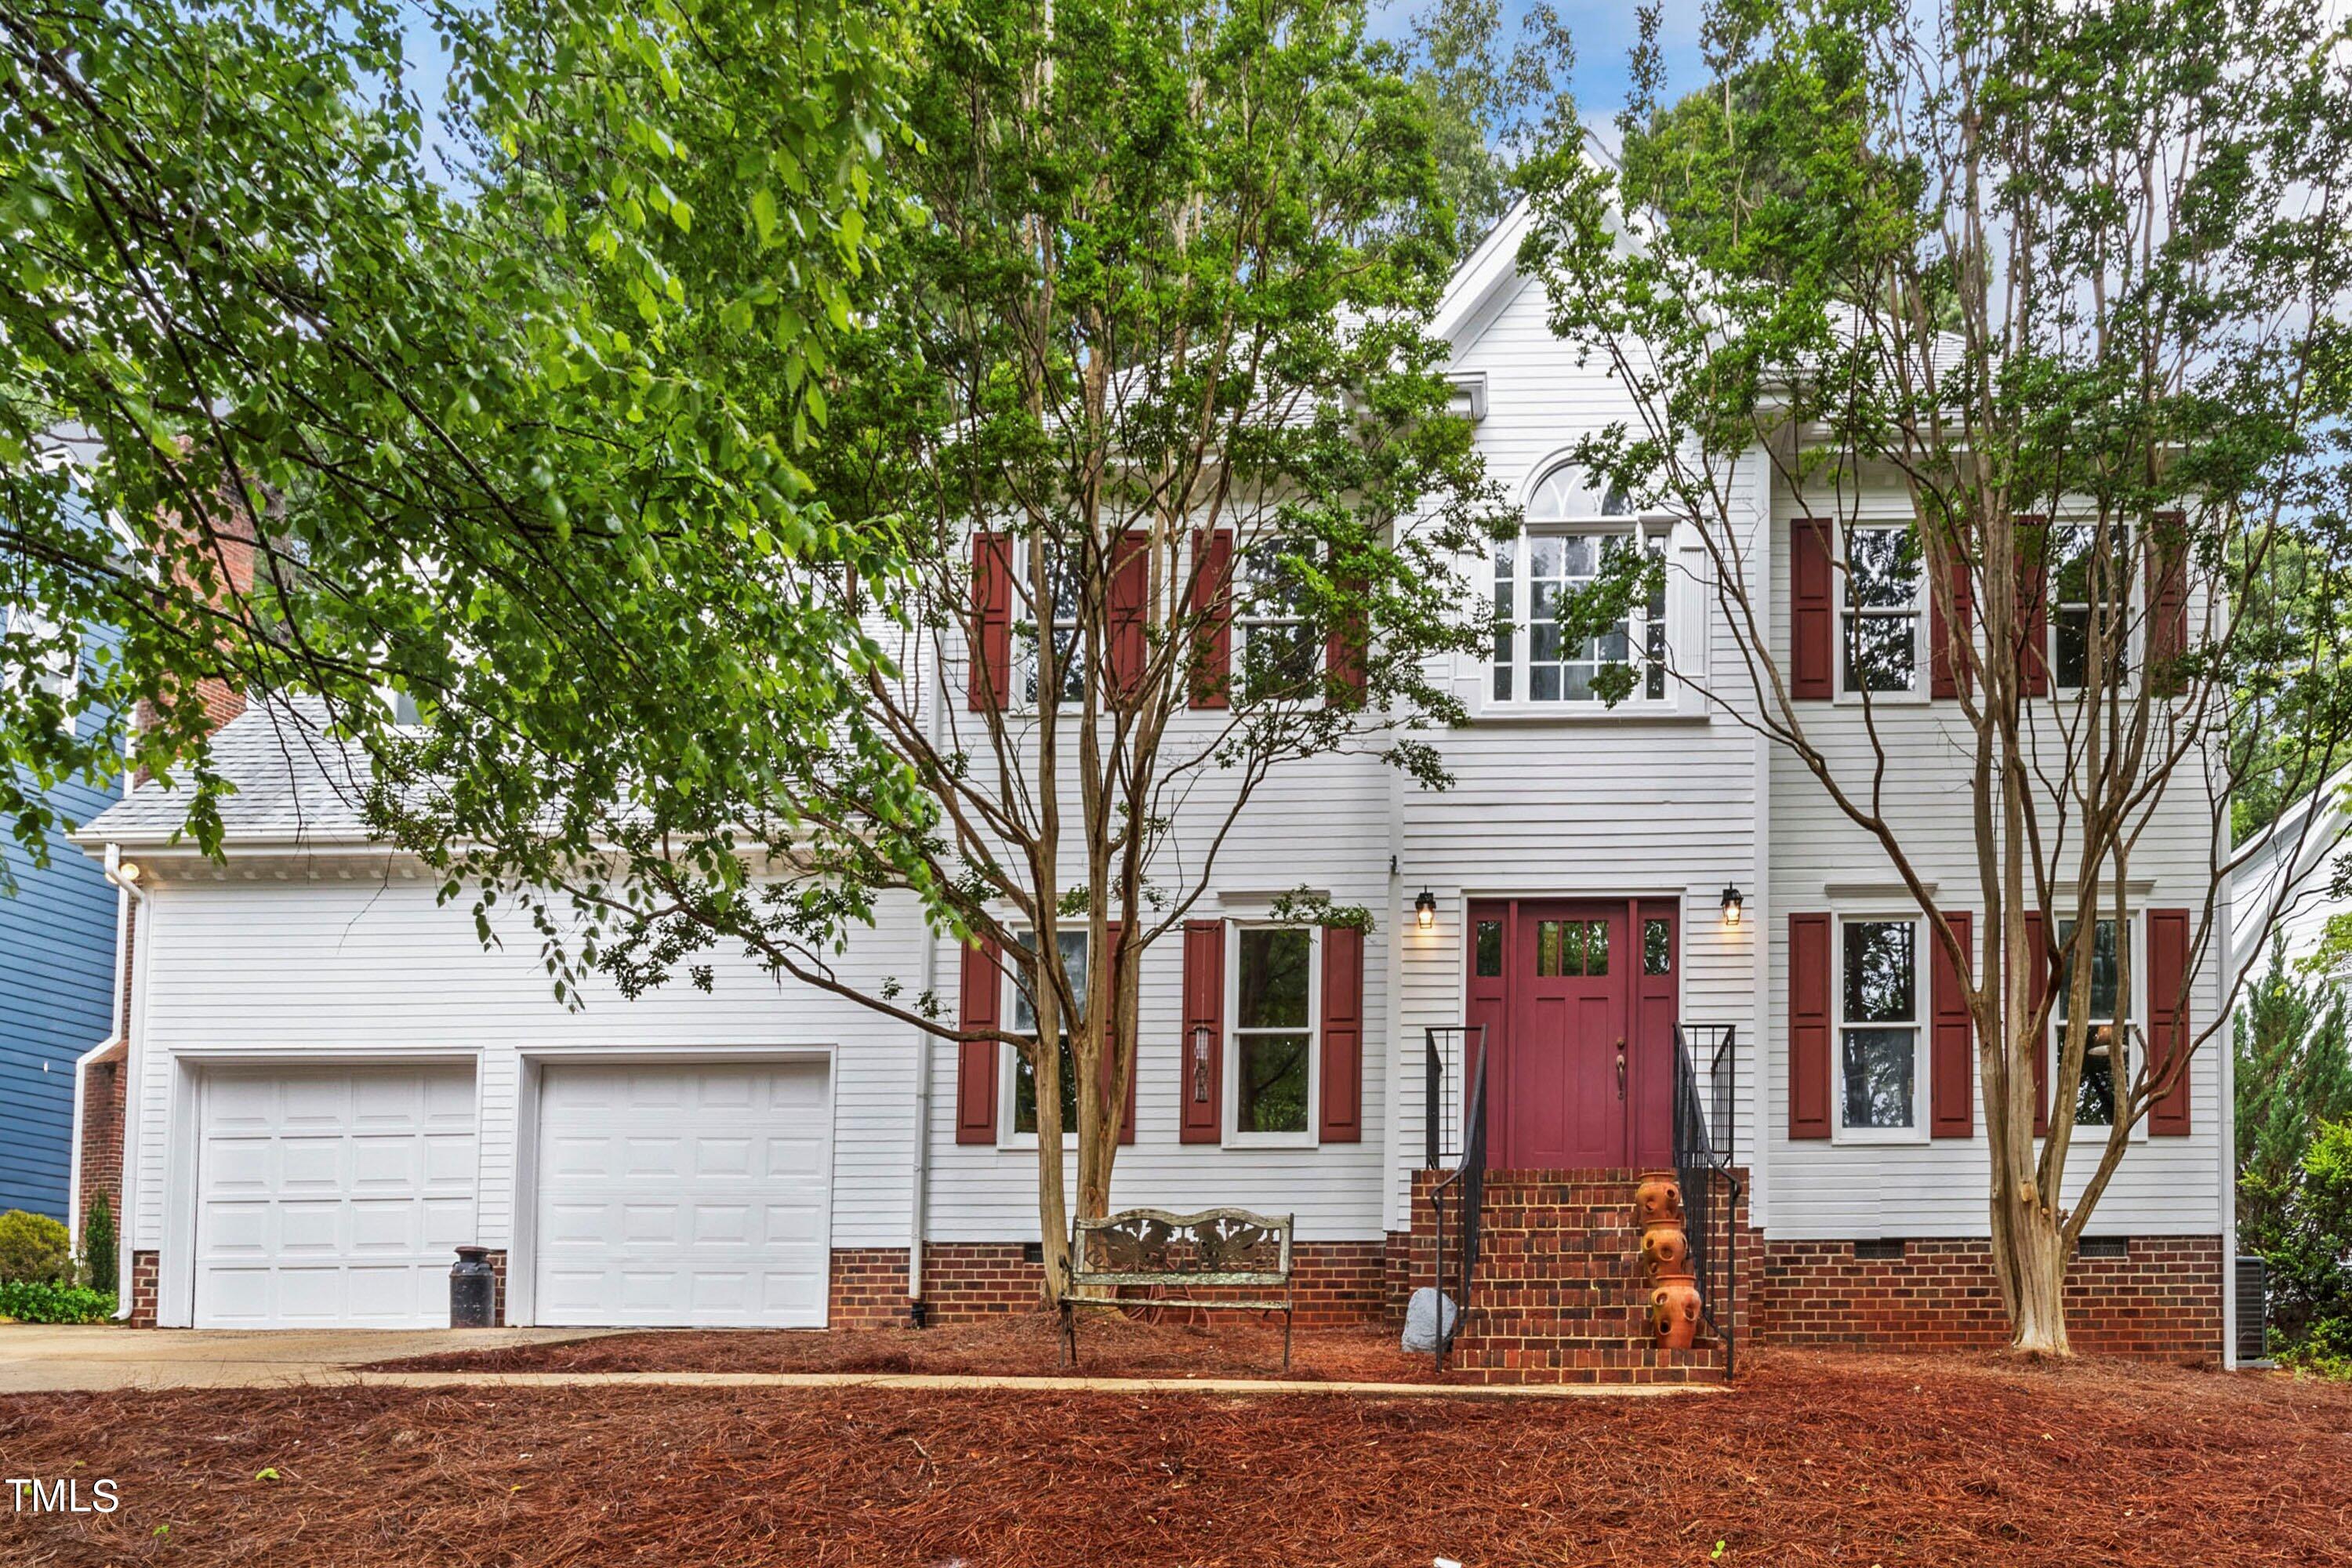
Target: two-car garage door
684,1195
667,1194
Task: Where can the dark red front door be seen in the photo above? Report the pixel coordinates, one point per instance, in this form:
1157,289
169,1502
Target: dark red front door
1578,1001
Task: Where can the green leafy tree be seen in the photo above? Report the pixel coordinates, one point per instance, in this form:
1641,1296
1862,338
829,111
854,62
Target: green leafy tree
2073,281
1147,352
1487,108
456,434
2294,1073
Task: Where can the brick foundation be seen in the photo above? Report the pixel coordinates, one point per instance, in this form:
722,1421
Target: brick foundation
2161,1303
144,1275
1338,1283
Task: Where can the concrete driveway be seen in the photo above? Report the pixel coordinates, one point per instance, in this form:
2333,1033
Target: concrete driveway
38,1358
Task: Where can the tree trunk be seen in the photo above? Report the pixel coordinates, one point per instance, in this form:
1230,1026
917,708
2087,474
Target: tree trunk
2038,1258
1052,1203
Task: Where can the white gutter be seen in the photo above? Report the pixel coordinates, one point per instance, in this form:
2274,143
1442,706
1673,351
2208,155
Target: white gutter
125,879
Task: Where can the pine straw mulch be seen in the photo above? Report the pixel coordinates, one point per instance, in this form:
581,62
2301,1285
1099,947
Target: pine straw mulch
1814,1458
1025,1344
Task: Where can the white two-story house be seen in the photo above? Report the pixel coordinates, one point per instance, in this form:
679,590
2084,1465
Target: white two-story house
331,1082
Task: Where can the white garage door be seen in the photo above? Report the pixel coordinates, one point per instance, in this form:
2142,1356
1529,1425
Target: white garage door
672,1196
332,1198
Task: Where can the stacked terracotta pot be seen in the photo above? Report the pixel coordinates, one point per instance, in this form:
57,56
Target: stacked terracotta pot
1666,1260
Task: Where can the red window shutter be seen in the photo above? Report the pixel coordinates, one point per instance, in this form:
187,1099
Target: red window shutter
1808,1025
2037,989
1948,659
1110,1054
1213,611
983,997
2168,968
1813,621
1951,1056
1128,607
2033,606
1343,1035
990,678
2168,600
1202,1084
1343,654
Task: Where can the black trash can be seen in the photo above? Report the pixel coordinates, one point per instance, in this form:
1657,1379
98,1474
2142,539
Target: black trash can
473,1290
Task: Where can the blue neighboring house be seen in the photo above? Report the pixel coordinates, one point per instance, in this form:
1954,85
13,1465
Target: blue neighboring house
57,981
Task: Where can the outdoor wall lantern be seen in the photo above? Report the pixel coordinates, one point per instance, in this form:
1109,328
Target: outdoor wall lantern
1424,909
1731,906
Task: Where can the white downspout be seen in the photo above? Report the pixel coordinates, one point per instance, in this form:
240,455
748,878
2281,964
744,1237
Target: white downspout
125,879
926,1047
115,1023
2225,1117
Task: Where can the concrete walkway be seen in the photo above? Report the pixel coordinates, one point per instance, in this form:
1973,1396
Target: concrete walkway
36,1359
44,1357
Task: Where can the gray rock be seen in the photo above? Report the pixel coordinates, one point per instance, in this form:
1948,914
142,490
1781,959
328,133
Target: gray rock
1422,1319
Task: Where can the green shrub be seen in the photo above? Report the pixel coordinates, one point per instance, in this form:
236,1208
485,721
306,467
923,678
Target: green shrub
33,1247
38,1301
98,1242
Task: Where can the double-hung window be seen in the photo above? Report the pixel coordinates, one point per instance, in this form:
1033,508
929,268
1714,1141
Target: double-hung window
1056,607
1280,647
1021,1082
1573,534
52,661
1880,629
2105,1054
1270,1075
1879,1032
2087,592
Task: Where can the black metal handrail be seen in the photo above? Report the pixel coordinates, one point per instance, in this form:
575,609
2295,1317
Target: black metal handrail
1446,1052
1467,1181
1703,1144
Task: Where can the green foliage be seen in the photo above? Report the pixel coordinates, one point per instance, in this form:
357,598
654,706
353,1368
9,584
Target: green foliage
100,1259
2293,1078
51,1301
1487,110
35,1247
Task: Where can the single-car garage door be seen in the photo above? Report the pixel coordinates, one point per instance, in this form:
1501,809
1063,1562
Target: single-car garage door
684,1195
331,1199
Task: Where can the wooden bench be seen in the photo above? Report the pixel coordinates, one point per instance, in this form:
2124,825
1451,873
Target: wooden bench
1220,1249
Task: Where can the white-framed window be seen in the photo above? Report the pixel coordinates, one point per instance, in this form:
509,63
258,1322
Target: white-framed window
2106,1056
1273,999
55,663
1057,611
1017,1118
1879,613
2078,581
1880,1031
1277,647
1574,531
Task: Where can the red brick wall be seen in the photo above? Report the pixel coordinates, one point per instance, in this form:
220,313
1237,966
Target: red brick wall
102,1140
2162,1302
143,1277
1336,1283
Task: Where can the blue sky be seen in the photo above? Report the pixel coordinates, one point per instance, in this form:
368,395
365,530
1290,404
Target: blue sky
1603,32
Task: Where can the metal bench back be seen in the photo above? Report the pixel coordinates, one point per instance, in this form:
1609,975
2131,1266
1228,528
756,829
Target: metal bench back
1155,1247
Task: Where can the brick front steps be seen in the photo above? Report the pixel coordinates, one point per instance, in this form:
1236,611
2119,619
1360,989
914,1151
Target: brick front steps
1558,1294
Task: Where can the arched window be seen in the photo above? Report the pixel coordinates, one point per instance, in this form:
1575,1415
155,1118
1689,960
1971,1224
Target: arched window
1574,527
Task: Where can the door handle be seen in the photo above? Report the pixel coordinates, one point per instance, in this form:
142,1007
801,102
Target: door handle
1620,1069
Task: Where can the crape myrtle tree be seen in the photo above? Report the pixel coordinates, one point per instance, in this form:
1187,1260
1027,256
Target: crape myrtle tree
1143,411
2071,280
282,411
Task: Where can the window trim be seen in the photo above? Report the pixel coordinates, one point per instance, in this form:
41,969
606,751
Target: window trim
1921,1007
1854,696
1008,1071
1653,535
2136,953
1228,1110
2133,608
